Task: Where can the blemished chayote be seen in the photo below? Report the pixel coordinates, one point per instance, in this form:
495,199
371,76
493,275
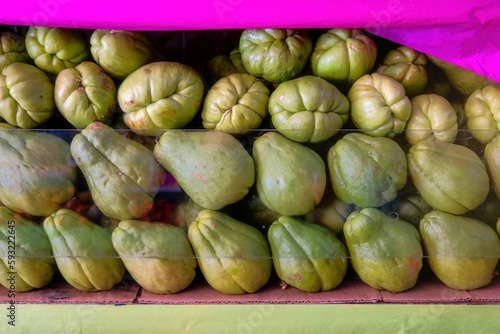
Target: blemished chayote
342,56
482,112
55,49
122,175
83,251
235,104
367,171
450,177
85,94
121,52
159,96
462,252
234,257
307,256
12,49
212,167
158,256
26,96
223,65
290,177
492,161
37,172
432,118
385,252
379,105
276,55
24,250
308,109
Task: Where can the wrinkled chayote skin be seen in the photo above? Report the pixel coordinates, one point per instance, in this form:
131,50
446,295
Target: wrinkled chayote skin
342,56
410,208
386,253
367,171
406,66
306,256
234,257
121,52
55,49
379,106
432,118
212,167
158,256
235,104
24,249
26,96
123,175
159,96
12,49
37,172
308,109
462,252
450,177
482,112
290,177
275,55
223,65
492,161
83,251
85,94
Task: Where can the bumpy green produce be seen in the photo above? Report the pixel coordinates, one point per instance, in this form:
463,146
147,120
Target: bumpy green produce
342,56
185,213
24,249
462,252
83,251
482,112
26,96
85,94
212,167
12,50
37,173
386,253
308,109
158,256
290,177
275,55
235,104
223,65
410,208
492,160
432,118
235,258
367,171
123,175
262,216
55,49
379,105
450,177
306,256
159,96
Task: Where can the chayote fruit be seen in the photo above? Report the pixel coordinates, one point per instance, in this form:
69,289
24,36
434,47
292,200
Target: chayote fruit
276,55
306,256
489,211
482,112
83,251
223,65
462,252
212,167
123,175
379,106
262,216
290,177
234,257
158,256
26,253
342,56
308,109
85,94
235,104
410,208
55,49
385,252
159,96
492,161
12,49
185,213
450,177
366,171
432,118
26,96
37,173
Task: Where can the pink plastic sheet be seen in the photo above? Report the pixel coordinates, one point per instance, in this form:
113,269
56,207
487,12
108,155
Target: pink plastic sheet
465,33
